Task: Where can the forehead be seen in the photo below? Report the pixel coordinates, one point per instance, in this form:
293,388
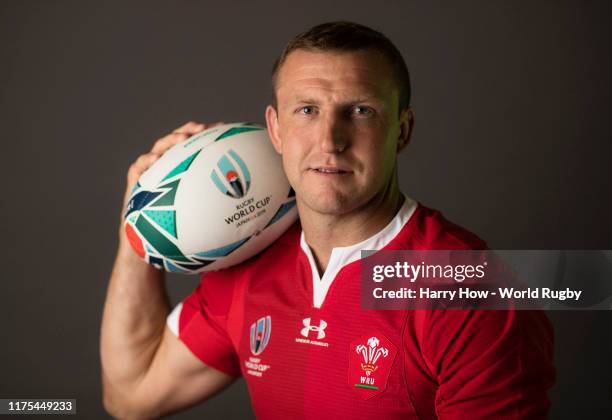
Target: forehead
365,72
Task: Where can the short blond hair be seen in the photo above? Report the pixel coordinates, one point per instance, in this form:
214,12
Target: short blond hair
349,36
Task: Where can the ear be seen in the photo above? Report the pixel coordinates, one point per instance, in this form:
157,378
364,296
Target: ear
272,122
406,121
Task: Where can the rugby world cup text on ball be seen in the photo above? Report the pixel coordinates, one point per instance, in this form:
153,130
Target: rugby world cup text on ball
247,208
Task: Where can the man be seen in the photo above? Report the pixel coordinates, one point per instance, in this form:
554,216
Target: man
290,320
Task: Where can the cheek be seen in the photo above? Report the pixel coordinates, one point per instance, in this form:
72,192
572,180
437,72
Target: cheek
381,161
290,152
292,156
294,144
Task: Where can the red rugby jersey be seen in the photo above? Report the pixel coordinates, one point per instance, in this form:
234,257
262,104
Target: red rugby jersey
308,350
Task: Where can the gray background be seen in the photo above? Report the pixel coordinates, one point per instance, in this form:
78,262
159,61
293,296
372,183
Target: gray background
512,140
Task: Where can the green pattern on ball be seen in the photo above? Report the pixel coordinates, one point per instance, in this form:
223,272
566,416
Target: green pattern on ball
167,199
158,241
166,219
237,130
181,167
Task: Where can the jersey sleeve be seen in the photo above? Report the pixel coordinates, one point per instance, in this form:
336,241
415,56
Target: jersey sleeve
200,321
489,364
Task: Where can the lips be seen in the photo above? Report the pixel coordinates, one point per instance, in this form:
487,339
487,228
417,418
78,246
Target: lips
328,170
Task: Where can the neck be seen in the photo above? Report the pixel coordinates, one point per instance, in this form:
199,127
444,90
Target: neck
323,232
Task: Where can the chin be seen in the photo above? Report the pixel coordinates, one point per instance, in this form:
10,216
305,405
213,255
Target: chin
330,203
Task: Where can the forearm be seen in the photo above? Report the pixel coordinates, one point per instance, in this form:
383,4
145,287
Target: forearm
133,320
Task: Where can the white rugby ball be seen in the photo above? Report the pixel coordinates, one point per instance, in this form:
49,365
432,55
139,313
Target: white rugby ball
210,202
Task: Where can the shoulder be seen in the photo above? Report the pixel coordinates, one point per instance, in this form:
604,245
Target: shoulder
225,282
427,228
283,248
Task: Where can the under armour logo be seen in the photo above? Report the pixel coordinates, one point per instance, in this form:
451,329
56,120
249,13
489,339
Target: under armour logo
307,328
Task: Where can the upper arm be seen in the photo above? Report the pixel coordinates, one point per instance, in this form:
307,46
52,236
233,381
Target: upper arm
176,379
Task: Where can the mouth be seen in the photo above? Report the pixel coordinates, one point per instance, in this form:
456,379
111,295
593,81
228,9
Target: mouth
327,170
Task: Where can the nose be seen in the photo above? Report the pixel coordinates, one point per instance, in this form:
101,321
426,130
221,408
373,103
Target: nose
333,135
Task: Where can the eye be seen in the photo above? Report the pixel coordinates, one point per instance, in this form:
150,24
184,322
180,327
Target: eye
307,110
364,111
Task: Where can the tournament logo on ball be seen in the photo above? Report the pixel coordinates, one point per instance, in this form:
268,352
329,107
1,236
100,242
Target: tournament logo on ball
370,362
231,177
260,334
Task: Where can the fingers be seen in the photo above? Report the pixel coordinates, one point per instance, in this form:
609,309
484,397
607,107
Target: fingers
192,127
144,162
140,165
163,144
180,134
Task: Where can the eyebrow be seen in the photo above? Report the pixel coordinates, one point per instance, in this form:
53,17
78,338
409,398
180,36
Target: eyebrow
359,99
305,101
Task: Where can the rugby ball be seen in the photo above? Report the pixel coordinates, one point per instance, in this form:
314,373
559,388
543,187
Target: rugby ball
210,202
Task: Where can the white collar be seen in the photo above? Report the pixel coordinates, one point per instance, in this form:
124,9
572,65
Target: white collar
342,256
